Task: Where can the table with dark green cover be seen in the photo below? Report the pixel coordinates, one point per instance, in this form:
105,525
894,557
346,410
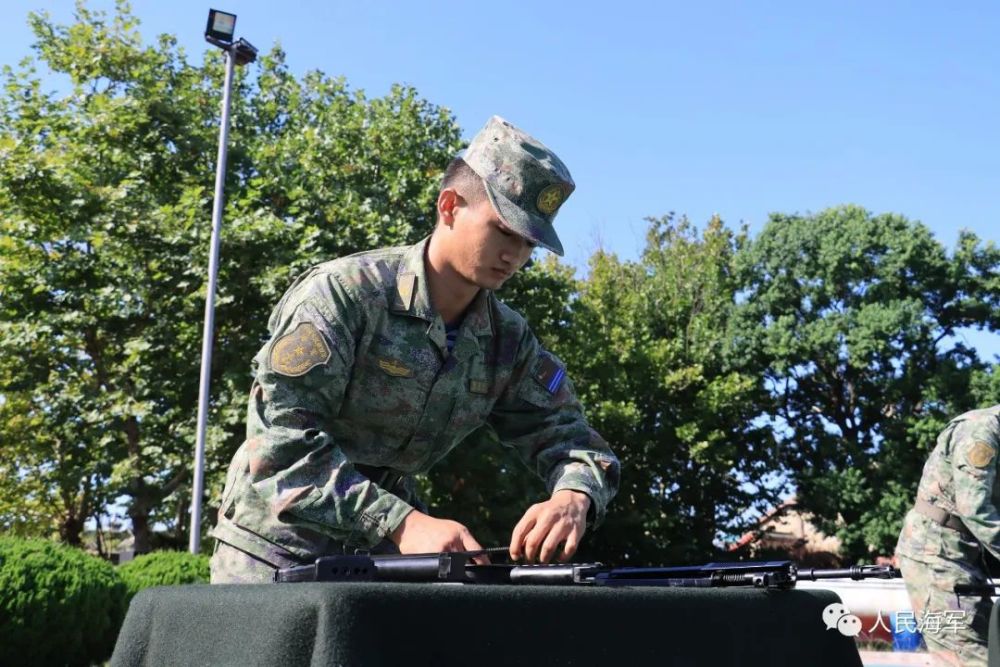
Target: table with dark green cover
469,625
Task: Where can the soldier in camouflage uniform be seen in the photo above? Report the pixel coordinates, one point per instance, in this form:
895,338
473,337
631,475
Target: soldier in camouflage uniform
380,363
954,518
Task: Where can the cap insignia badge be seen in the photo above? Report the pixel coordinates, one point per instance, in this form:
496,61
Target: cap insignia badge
549,199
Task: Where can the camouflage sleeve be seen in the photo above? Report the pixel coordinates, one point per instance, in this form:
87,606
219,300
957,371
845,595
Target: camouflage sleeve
539,415
974,476
297,468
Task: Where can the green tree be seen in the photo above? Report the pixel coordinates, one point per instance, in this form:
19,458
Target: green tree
649,356
106,192
852,319
985,386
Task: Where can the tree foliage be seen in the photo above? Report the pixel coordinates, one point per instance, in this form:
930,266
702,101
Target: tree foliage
852,319
106,192
651,354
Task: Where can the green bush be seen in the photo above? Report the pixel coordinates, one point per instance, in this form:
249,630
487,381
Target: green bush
164,568
58,605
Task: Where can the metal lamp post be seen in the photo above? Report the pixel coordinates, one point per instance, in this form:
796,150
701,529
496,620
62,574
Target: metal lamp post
219,31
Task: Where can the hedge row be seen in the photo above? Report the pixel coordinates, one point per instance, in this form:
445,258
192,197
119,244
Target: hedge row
61,606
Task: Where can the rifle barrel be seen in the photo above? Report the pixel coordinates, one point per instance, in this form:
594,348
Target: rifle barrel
855,572
976,589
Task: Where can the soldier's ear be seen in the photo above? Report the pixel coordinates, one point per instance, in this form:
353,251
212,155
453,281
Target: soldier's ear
448,200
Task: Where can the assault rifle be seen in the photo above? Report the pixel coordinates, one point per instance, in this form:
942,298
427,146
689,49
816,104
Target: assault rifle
976,590
457,567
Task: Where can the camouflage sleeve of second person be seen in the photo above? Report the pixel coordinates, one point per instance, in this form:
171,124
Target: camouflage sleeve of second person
538,414
974,477
297,468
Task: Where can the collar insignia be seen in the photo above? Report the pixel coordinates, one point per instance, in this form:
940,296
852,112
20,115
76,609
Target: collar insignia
404,291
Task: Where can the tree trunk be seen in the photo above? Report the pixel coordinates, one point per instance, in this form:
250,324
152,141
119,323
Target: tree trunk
70,529
182,516
144,498
140,528
99,538
138,510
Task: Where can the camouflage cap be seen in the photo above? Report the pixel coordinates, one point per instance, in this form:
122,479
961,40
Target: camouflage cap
525,181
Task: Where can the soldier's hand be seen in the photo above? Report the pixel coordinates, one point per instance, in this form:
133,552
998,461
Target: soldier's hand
420,533
562,519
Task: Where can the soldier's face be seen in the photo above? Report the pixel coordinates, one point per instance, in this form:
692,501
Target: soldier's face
488,252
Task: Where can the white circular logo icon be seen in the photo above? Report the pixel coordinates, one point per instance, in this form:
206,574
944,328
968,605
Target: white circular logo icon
833,613
849,625
837,615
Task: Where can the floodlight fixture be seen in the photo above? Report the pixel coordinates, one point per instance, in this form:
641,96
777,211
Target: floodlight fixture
220,30
221,27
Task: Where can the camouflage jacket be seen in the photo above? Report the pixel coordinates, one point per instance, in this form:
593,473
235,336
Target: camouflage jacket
357,373
960,477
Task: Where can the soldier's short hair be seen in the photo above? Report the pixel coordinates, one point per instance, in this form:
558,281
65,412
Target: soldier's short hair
460,177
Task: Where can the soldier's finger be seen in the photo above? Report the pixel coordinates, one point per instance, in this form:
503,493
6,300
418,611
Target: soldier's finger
534,539
571,545
526,523
557,533
469,543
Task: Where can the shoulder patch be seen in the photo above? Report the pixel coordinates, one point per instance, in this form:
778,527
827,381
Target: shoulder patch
550,374
980,455
298,352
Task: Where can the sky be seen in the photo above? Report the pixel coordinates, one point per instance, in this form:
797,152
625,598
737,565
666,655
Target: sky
732,108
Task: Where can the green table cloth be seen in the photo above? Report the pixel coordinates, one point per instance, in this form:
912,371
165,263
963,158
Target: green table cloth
455,624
